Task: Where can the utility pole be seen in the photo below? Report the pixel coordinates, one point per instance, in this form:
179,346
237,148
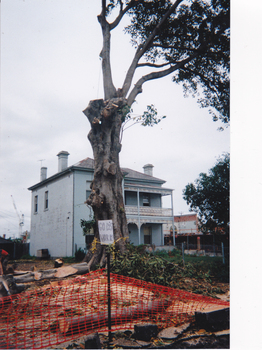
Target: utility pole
21,219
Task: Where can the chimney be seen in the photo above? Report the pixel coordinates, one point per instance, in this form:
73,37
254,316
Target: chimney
62,160
43,173
148,169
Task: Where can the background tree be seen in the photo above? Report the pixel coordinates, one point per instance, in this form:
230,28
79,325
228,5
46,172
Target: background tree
186,39
209,197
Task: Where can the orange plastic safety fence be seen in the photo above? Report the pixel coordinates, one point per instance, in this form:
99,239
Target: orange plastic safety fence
68,309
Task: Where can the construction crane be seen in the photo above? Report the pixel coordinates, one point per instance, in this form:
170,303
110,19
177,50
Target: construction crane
21,219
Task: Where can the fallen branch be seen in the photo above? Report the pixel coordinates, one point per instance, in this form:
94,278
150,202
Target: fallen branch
69,326
8,286
60,272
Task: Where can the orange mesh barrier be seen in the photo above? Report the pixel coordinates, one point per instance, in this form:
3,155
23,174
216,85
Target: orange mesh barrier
67,309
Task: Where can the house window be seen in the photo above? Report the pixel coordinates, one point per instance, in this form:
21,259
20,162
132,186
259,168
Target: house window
88,192
146,202
147,235
36,204
46,200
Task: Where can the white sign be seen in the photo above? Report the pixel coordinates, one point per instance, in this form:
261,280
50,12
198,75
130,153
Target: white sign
106,233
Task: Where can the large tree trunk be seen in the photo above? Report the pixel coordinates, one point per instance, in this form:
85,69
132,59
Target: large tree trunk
106,198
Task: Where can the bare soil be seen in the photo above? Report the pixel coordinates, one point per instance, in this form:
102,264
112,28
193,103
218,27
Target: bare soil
30,265
187,284
192,338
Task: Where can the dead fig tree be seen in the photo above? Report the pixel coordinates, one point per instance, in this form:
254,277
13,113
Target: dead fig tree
186,39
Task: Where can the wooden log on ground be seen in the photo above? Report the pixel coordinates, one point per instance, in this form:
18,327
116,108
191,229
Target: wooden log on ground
28,277
19,273
64,271
76,325
8,286
59,263
82,268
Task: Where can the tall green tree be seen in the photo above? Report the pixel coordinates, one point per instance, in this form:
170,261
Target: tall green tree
186,39
209,197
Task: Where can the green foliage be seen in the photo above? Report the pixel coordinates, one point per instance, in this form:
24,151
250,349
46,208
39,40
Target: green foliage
138,263
17,240
148,118
209,196
27,257
87,225
197,33
69,259
126,112
79,255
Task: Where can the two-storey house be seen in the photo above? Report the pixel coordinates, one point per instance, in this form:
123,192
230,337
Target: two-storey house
58,205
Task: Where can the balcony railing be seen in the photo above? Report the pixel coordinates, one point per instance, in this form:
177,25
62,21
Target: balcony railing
148,211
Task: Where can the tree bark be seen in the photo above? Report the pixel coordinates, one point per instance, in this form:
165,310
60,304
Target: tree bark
106,198
73,325
8,286
60,272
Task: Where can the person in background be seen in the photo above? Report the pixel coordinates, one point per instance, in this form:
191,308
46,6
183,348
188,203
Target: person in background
4,256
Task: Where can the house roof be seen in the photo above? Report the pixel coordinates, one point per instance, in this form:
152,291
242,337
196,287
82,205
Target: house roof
132,174
88,163
128,173
85,163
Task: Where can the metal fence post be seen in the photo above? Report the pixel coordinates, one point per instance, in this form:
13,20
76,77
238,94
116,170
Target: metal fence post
109,298
183,256
223,252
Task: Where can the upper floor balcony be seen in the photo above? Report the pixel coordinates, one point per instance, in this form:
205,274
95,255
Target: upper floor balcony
148,211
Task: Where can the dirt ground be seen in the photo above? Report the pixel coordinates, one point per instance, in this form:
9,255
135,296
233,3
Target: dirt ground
221,290
192,338
186,284
29,265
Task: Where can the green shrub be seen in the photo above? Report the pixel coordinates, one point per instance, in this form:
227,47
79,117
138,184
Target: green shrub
140,264
28,257
79,254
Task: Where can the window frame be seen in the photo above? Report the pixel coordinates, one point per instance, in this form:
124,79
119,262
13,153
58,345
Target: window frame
46,201
35,204
146,200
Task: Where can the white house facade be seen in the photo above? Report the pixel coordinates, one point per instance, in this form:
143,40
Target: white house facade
58,205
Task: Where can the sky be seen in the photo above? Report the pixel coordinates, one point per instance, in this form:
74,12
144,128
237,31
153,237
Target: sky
50,70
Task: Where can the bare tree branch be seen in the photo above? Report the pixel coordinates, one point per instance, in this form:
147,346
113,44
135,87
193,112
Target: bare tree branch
143,48
109,88
156,75
122,12
147,64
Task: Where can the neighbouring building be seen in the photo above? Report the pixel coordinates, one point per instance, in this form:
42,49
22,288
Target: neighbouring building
187,231
58,205
186,224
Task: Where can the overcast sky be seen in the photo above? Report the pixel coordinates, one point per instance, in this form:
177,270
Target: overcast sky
50,69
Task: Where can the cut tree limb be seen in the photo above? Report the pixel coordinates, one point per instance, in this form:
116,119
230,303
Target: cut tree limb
60,272
65,271
79,324
8,286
